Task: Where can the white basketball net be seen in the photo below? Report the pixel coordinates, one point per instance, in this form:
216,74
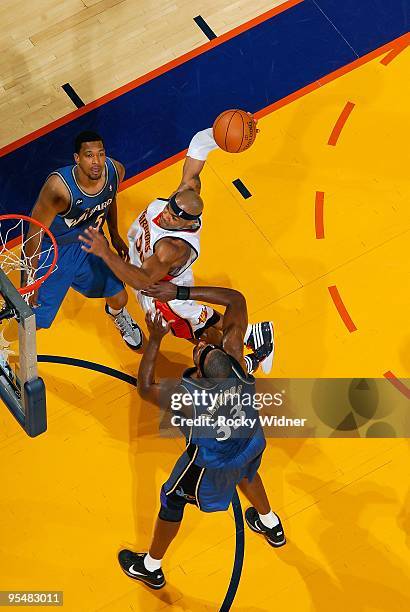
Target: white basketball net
16,259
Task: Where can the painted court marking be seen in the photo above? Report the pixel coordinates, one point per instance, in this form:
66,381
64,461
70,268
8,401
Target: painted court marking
395,51
206,29
340,123
319,223
341,308
400,386
73,95
243,190
88,365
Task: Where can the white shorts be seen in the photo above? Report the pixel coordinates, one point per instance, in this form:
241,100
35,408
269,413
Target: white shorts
190,318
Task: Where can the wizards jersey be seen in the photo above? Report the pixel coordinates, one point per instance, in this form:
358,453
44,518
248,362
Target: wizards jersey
145,233
226,432
84,209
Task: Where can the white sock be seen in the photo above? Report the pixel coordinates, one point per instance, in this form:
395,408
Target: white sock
113,311
269,520
151,564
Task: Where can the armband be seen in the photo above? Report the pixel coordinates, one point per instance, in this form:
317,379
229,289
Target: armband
183,293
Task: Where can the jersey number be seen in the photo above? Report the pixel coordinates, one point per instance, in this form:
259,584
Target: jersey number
99,221
226,430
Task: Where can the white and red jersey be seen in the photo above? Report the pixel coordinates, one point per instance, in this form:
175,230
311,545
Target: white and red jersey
188,319
145,233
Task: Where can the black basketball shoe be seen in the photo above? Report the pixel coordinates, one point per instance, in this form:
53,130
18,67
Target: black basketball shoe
262,356
260,339
132,564
275,536
259,334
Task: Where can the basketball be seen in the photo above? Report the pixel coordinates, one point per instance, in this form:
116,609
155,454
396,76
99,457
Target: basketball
234,130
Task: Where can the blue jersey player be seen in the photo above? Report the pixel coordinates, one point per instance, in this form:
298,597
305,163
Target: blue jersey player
72,198
219,455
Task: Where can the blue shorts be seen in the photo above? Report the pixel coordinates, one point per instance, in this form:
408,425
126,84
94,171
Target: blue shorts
84,272
208,488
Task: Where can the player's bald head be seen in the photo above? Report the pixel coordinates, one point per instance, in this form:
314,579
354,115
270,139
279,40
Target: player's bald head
190,201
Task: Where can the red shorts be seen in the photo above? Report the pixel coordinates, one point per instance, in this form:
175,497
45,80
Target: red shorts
190,318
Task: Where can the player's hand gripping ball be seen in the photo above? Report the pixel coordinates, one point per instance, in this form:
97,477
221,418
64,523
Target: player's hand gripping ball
235,130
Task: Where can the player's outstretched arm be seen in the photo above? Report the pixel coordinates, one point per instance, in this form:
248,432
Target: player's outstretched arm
199,148
156,392
167,255
190,175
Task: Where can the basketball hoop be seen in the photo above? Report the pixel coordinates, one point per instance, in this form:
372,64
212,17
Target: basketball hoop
35,268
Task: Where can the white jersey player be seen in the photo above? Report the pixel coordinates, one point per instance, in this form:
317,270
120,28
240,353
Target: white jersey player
189,318
163,245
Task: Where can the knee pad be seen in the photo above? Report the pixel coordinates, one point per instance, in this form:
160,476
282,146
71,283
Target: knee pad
172,509
172,515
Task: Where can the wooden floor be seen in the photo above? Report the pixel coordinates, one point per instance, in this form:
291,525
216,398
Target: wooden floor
73,497
96,46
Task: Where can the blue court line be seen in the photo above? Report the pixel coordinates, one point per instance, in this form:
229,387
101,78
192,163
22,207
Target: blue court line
253,70
239,554
89,365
